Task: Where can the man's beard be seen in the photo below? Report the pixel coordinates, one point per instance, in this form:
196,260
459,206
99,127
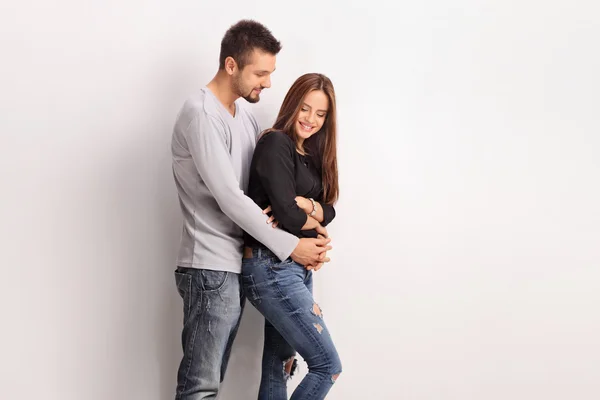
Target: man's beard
250,99
237,87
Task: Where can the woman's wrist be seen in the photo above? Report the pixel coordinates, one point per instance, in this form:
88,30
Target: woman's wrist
313,208
305,204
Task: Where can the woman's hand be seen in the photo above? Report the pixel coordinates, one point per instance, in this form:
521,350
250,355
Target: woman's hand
271,219
304,203
322,231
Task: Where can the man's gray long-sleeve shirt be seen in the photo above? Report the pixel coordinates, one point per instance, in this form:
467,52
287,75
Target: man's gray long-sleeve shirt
212,151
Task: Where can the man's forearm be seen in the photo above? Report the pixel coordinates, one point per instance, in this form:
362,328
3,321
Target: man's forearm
246,214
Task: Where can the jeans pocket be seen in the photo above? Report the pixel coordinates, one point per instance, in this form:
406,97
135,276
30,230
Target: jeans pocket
212,280
250,289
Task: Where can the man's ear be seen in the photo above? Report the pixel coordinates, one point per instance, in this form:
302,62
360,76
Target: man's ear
230,65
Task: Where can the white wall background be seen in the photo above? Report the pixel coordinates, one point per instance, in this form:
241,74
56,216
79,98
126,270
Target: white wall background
467,248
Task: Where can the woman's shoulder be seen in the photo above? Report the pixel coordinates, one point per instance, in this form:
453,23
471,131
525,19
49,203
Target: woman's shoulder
275,139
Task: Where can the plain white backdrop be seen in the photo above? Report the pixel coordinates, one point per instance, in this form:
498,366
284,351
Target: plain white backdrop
467,245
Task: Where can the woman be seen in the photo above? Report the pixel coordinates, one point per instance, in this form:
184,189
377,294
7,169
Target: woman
294,170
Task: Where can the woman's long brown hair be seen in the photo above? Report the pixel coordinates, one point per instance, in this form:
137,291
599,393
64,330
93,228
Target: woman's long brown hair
322,146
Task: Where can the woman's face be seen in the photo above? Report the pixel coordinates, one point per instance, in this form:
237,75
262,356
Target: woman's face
312,114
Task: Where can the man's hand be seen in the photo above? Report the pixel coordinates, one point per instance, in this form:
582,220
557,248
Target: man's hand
322,257
312,252
271,219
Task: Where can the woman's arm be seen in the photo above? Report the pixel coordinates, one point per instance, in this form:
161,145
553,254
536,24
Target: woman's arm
312,223
325,213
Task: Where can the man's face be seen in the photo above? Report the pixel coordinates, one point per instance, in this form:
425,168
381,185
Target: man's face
256,75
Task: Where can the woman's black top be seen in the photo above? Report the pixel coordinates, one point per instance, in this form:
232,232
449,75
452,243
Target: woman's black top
278,173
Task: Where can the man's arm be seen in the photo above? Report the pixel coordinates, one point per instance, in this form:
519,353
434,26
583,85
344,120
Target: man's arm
206,142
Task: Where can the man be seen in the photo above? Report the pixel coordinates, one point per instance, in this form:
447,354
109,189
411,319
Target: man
213,141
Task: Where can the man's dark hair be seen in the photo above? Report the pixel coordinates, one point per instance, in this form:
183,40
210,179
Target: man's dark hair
241,39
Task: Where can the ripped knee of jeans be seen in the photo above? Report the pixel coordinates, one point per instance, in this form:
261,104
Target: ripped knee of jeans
289,367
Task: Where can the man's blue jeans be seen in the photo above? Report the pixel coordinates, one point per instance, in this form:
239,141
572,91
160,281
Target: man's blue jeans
212,308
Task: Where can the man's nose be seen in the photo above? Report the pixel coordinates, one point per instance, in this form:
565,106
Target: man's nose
267,83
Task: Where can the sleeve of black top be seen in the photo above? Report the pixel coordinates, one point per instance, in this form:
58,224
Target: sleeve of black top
328,213
275,169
